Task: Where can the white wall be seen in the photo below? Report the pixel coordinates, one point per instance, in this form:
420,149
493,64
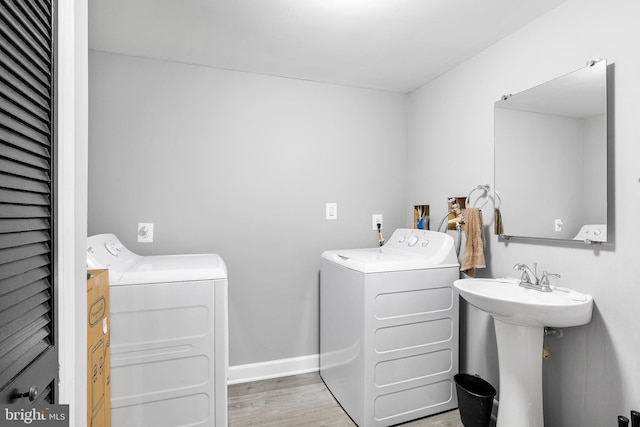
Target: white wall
594,371
242,165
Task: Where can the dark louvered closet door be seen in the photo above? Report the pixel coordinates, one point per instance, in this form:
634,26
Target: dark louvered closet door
28,355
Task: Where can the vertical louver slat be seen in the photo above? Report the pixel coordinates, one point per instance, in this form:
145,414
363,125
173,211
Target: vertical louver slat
27,330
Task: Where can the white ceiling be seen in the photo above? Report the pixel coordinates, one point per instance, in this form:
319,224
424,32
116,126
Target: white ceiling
396,45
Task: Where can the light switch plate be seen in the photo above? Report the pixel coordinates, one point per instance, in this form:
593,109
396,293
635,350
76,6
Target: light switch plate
332,211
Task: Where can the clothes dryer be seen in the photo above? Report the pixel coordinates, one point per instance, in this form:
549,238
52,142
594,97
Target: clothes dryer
389,328
169,336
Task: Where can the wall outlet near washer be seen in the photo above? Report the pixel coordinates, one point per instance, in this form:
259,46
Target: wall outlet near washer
145,232
558,225
375,220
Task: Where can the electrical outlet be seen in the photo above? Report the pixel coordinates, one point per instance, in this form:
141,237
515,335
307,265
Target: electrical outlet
375,220
145,232
558,225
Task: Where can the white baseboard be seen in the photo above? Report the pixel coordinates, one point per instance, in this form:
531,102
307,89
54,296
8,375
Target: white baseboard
494,412
273,369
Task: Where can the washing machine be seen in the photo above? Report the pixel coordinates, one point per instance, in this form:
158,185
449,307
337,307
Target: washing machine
389,328
169,336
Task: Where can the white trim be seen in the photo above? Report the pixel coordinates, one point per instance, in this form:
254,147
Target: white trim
65,213
273,369
71,224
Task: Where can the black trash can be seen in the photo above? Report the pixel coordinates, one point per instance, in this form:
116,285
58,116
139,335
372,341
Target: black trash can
475,400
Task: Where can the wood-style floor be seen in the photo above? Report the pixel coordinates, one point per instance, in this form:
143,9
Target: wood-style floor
301,401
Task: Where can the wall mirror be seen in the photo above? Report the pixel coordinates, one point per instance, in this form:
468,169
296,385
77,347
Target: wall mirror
551,158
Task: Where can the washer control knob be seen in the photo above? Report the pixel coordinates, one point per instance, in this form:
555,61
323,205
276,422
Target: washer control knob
425,243
402,239
113,248
413,240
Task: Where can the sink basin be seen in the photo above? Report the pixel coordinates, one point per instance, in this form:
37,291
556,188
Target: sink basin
507,301
520,315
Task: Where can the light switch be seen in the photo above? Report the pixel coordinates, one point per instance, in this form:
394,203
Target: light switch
332,210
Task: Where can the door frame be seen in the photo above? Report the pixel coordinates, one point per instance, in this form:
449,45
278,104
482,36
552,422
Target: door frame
71,225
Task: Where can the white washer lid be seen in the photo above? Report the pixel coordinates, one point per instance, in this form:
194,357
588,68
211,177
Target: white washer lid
406,249
126,267
172,268
373,260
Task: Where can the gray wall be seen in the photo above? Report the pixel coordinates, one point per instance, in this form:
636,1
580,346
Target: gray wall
528,145
242,165
594,371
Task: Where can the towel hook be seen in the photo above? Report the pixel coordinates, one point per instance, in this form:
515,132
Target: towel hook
498,200
485,190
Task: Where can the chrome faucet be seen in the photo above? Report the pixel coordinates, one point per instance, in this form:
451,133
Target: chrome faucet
545,284
529,277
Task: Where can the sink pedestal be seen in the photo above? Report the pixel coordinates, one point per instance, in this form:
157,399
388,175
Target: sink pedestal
520,340
520,367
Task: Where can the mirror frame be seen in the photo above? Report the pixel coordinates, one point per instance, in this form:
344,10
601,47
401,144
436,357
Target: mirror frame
544,101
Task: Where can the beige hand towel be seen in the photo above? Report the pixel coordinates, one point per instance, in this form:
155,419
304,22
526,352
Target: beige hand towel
474,247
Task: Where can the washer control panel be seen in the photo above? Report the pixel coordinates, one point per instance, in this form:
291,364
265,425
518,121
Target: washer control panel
106,251
419,242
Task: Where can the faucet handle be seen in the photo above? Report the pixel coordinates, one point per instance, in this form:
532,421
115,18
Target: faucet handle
544,280
526,273
525,278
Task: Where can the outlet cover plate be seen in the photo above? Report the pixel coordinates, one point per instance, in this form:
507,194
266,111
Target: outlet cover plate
375,220
145,232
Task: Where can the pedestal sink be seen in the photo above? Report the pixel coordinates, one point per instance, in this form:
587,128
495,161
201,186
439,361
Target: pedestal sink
520,315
